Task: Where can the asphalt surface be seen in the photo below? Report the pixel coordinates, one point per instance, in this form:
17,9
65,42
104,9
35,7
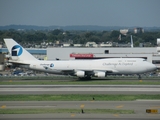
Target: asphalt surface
78,117
138,106
79,89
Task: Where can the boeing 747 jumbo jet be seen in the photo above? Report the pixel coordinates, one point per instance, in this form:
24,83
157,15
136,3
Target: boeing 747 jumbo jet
79,68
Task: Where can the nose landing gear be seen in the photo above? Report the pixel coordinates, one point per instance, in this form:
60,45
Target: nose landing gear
139,77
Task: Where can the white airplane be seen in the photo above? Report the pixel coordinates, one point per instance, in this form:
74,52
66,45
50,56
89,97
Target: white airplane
79,68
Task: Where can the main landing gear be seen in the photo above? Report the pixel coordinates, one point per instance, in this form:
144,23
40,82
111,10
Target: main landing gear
85,78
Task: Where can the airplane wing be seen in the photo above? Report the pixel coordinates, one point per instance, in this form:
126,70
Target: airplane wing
18,62
89,72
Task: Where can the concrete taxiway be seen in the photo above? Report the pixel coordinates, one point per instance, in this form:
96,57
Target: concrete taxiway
79,89
138,106
85,116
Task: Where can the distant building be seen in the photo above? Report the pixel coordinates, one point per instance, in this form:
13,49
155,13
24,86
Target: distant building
124,31
66,45
91,44
77,45
135,31
107,44
158,41
138,30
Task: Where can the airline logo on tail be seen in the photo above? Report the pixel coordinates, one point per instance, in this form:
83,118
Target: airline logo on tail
17,50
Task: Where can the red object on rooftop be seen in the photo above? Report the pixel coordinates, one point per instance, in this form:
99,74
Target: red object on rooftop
81,55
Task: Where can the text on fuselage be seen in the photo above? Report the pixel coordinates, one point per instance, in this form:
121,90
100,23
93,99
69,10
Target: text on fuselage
115,64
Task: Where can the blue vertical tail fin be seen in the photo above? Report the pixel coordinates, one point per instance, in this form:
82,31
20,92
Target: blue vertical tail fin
17,52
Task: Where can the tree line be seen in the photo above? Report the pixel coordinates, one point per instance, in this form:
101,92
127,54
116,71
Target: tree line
77,37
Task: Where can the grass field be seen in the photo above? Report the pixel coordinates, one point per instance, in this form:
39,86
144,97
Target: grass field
77,97
39,111
75,81
142,82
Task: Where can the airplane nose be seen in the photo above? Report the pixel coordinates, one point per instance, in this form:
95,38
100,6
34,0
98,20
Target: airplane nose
153,67
150,67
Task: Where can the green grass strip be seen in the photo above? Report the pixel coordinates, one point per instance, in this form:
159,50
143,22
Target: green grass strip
77,97
74,82
40,111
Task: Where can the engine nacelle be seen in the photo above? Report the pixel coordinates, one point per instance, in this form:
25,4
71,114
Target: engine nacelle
100,74
80,73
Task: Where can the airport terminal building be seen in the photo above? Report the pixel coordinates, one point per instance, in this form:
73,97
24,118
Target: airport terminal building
151,54
70,53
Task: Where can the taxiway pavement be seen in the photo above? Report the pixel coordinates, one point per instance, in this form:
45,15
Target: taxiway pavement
79,89
138,106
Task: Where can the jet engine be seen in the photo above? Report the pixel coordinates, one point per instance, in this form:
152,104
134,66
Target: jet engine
80,73
100,74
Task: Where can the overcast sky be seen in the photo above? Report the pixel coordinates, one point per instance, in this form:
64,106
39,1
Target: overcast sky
142,13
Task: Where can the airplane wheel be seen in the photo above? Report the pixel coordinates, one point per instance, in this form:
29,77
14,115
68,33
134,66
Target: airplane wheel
85,78
88,77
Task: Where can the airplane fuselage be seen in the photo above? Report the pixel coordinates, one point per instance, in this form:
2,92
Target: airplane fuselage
109,66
